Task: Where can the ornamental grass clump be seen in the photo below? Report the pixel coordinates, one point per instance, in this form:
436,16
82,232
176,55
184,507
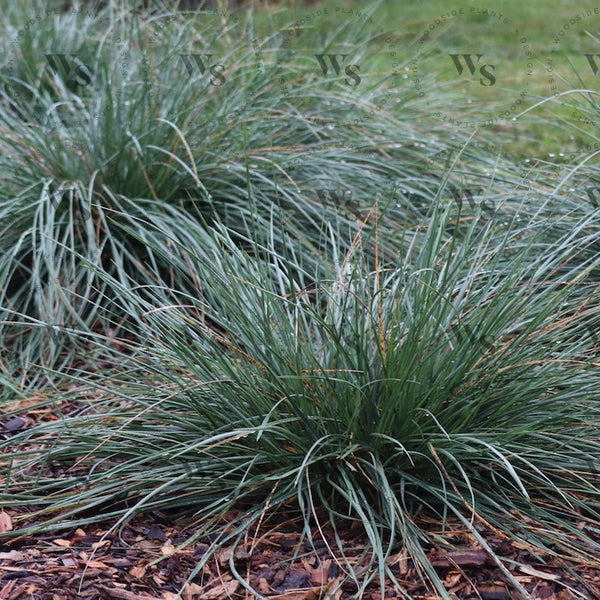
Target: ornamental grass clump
458,381
107,120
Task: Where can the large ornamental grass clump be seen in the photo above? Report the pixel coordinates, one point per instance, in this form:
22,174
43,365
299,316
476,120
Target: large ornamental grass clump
459,381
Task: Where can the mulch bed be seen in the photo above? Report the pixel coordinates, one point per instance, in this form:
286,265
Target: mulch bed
277,561
143,560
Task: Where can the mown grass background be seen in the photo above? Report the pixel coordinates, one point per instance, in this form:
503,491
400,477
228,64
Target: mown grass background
278,288
550,135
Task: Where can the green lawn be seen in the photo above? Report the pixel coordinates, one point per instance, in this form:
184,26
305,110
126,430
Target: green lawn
520,41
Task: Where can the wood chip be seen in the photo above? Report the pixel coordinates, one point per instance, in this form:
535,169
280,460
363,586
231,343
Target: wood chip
493,592
5,592
114,592
462,558
138,572
12,555
5,522
192,591
305,594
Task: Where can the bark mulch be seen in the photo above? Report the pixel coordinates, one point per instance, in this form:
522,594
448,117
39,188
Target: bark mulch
144,561
277,561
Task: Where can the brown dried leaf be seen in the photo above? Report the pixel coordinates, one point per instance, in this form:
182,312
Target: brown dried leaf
221,591
146,545
138,572
320,574
168,549
96,564
333,590
191,591
5,522
227,590
223,556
